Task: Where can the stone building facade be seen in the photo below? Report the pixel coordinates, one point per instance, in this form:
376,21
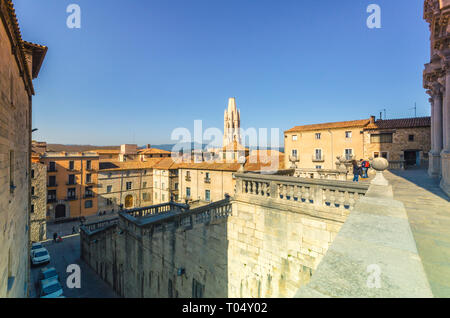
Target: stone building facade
403,142
165,181
20,63
38,212
436,79
125,185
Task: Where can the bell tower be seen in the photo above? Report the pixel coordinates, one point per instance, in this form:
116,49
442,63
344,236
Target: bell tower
232,123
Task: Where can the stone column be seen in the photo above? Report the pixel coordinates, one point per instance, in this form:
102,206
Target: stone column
434,169
445,154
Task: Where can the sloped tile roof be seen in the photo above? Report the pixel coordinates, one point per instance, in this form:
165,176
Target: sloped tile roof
414,122
340,124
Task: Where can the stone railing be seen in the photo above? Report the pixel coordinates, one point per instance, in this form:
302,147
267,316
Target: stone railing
210,213
156,209
327,174
93,227
304,192
374,254
397,165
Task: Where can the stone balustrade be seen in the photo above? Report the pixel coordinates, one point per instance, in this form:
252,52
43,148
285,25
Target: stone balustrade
93,227
328,174
157,209
314,192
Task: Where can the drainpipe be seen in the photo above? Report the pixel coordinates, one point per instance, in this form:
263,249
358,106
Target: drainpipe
332,156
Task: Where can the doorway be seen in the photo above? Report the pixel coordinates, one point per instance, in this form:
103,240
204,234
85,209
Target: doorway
410,158
60,211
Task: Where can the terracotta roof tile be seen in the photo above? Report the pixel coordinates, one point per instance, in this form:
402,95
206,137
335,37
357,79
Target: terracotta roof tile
335,125
414,122
149,151
112,165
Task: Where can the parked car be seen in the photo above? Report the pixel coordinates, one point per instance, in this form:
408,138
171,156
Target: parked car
36,246
40,256
50,288
47,273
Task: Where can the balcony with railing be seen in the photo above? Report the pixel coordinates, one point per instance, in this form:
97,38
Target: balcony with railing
71,198
187,178
207,180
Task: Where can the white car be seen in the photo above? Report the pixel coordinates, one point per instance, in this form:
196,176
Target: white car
50,288
40,256
36,246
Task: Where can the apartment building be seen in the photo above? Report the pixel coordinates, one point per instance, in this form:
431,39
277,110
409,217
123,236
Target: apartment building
165,181
405,140
125,185
71,184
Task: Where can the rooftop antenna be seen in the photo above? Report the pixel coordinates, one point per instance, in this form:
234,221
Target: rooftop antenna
415,109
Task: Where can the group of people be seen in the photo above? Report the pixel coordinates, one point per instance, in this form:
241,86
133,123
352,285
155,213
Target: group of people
360,169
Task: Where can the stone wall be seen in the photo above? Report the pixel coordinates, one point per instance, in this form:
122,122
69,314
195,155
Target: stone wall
15,118
38,224
267,247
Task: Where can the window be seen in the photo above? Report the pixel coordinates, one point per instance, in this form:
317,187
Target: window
156,196
318,167
318,154
348,134
129,184
88,165
108,189
176,185
163,197
348,154
11,171
88,204
145,196
207,175
156,184
52,181
109,201
71,193
411,138
71,179
144,184
145,172
384,154
71,165
32,208
197,289
294,138
88,192
188,192
51,196
207,195
32,173
32,190
162,185
294,153
51,166
381,138
88,178
318,135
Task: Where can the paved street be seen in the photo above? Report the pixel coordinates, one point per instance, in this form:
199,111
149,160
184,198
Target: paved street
428,210
66,253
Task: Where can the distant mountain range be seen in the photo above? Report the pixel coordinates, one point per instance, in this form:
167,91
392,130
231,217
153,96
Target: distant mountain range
167,147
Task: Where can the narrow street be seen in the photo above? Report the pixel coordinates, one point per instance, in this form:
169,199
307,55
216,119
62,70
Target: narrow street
63,254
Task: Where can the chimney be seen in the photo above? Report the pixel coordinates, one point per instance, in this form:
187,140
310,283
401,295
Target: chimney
372,119
148,146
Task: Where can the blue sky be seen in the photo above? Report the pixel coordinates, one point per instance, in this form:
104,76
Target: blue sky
138,69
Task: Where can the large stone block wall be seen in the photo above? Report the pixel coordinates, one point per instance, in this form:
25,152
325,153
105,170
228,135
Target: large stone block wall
273,252
38,223
15,114
259,251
